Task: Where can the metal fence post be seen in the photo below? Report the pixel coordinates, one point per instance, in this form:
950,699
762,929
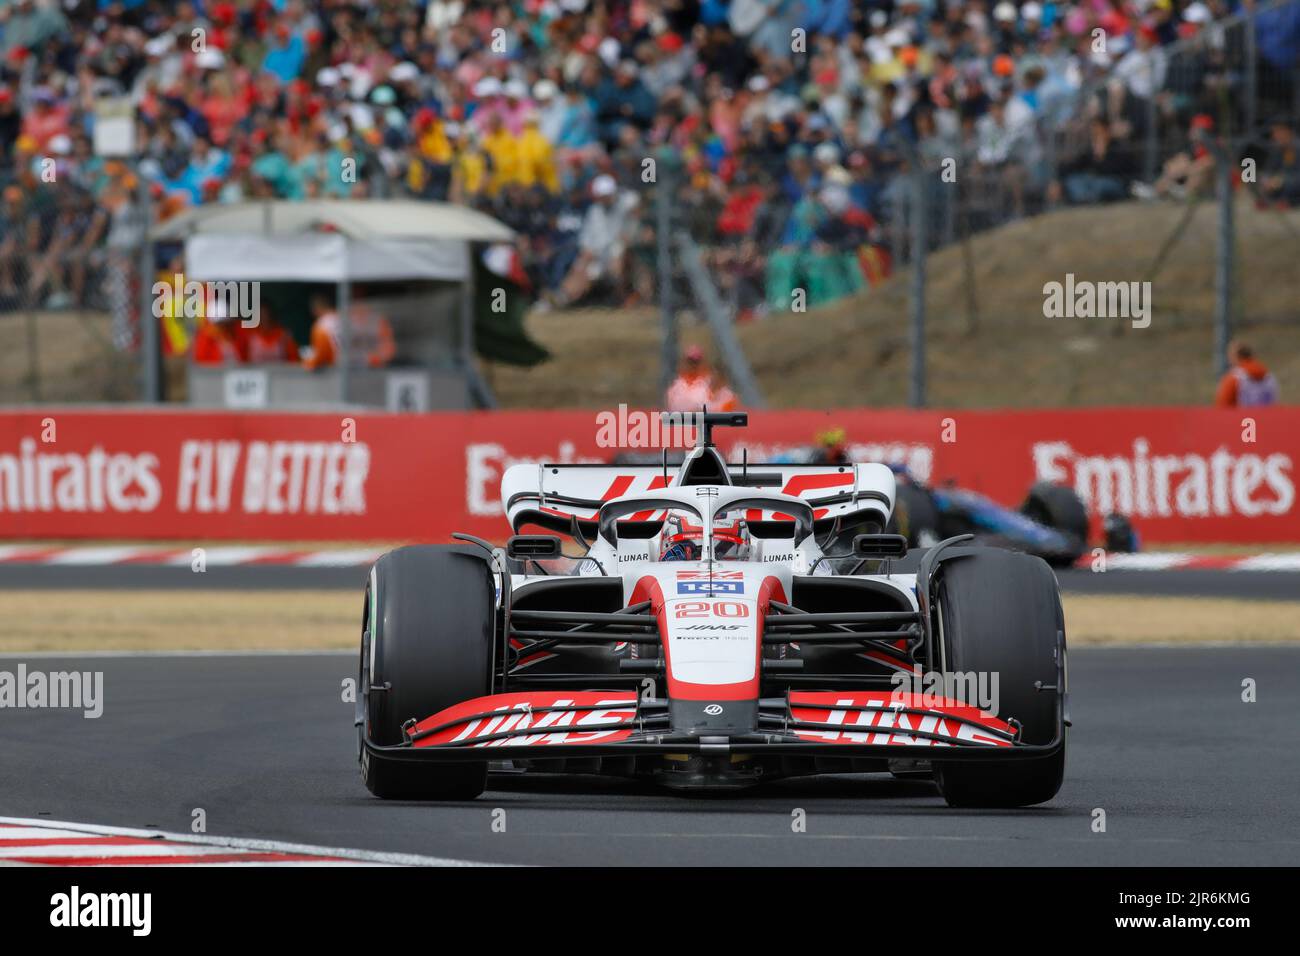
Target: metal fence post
1223,262
1252,76
150,344
919,249
663,228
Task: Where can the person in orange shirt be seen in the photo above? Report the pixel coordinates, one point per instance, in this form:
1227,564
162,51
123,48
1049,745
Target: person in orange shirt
371,341
1247,383
268,341
694,387
217,342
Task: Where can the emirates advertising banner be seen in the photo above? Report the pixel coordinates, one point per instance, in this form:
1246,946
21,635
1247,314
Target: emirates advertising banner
1181,474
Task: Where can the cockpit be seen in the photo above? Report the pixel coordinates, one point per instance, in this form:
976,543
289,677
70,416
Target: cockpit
719,524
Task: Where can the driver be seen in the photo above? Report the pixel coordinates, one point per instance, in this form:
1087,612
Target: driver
684,541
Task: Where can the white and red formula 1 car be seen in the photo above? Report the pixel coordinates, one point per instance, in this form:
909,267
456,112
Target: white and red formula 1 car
726,625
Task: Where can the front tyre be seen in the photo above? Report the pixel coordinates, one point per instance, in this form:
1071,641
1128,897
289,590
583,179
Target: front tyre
999,613
426,645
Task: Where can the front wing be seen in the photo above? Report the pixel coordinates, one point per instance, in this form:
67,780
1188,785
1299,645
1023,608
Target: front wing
556,724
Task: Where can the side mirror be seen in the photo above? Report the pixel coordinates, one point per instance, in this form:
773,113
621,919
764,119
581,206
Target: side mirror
879,546
531,547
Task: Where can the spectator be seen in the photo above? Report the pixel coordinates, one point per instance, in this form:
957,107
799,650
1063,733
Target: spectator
1000,146
622,99
1247,383
1280,182
268,340
370,343
602,242
695,387
30,25
78,230
17,238
48,118
1101,174
286,55
1188,173
10,124
218,342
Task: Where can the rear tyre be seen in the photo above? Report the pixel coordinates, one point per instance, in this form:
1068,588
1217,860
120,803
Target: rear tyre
428,641
999,613
1057,506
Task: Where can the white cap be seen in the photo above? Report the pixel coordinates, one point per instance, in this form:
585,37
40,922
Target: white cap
758,83
609,50
545,90
835,198
878,19
60,145
1197,13
1032,11
827,153
515,89
362,116
210,59
159,46
404,71
328,77
488,86
1005,12
603,185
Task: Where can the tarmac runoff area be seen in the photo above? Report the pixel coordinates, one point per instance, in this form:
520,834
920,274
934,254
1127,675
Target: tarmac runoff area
1186,771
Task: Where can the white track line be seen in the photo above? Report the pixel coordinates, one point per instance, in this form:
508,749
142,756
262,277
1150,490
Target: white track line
212,844
1154,561
98,555
1269,562
338,559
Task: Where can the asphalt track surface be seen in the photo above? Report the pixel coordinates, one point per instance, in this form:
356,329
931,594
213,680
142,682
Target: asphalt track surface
1260,585
1185,771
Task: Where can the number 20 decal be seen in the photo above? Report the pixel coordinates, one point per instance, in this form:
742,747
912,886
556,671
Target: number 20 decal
717,608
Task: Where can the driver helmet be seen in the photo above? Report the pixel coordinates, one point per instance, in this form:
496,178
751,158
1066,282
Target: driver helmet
683,540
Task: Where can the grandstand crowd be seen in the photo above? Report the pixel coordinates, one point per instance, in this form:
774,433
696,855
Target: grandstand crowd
780,125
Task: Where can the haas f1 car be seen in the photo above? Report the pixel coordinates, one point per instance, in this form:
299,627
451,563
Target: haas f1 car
724,625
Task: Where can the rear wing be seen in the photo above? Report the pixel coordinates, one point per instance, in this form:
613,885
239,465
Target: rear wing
552,496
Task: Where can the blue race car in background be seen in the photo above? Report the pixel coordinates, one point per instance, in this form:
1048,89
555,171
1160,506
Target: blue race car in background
1052,521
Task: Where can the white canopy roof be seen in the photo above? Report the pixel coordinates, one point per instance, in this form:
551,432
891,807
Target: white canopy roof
330,240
